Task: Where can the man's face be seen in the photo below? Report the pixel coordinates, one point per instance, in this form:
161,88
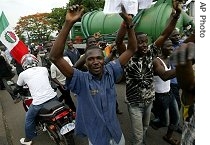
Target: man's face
49,45
175,37
167,48
95,61
70,44
142,44
91,41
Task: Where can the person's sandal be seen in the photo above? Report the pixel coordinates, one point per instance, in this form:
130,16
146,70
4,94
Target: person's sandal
23,142
171,140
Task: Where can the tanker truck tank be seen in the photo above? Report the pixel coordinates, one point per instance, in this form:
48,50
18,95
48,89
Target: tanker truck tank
151,21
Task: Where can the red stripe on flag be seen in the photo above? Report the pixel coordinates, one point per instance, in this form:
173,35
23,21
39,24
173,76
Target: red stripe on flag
19,50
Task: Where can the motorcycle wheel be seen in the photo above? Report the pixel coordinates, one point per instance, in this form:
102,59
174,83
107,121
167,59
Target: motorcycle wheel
59,139
68,139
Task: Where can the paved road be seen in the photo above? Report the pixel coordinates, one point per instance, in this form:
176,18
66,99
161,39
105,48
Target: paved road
13,116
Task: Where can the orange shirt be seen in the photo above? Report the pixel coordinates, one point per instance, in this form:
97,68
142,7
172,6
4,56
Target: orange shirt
107,50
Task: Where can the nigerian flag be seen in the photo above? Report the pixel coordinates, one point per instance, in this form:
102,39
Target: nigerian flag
16,47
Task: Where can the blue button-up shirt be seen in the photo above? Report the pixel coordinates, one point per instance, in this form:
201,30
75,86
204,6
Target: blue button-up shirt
96,104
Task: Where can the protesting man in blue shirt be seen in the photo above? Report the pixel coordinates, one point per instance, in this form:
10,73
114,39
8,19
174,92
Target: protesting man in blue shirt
96,101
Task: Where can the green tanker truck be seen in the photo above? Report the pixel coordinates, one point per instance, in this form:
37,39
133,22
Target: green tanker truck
151,21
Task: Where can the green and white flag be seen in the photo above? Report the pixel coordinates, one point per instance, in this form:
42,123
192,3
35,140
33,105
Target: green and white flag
8,37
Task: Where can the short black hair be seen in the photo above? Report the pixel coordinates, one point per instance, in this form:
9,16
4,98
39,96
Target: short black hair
93,47
91,36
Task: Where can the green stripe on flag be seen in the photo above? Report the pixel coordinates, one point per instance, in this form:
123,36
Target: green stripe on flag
3,22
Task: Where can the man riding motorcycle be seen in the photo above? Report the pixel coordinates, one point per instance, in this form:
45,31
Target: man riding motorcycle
37,80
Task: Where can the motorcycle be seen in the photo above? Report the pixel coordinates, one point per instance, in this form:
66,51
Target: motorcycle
55,117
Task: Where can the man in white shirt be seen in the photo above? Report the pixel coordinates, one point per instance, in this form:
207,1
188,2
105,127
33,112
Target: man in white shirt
37,80
60,80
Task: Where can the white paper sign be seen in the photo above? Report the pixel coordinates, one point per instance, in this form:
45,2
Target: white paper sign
114,6
144,4
131,6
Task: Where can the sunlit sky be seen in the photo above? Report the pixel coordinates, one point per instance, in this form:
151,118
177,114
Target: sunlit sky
14,9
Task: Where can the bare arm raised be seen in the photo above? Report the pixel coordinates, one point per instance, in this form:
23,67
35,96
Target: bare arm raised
73,14
132,42
168,30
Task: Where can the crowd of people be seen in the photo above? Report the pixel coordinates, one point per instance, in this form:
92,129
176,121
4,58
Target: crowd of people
159,80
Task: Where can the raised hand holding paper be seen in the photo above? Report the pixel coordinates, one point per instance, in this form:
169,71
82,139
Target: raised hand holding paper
131,6
144,4
114,6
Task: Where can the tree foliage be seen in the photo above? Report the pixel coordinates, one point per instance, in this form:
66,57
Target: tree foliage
36,28
89,5
57,17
